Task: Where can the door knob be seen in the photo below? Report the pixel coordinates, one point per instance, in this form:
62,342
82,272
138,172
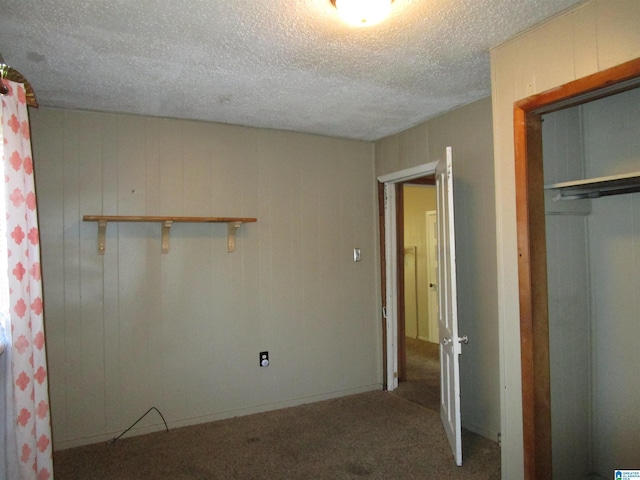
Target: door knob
446,341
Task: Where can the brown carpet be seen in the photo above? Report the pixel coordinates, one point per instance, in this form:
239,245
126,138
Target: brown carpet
422,385
374,435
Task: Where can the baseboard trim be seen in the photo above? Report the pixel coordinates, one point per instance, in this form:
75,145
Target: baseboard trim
483,432
240,412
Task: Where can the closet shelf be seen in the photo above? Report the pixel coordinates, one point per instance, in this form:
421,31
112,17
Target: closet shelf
233,223
596,187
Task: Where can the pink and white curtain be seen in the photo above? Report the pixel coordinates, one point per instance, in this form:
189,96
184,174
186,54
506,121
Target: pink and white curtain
28,447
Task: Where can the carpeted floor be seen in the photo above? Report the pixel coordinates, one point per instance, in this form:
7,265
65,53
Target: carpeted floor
422,385
374,435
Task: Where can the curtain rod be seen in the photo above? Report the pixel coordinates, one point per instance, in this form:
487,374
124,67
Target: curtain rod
12,74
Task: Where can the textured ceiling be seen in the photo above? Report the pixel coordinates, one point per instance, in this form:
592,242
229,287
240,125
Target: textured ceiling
284,64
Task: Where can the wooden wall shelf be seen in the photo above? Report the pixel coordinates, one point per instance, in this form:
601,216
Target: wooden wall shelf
233,223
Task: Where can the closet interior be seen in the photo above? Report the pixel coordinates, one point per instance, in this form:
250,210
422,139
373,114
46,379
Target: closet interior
591,161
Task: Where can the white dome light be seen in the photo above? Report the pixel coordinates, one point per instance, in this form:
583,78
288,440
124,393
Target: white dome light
362,12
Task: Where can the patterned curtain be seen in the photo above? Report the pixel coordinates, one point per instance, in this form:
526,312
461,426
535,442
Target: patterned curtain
27,355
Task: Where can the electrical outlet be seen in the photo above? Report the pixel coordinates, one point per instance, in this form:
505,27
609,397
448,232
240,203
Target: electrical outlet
264,359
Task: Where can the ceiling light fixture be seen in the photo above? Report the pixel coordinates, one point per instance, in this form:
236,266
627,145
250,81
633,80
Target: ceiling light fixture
362,12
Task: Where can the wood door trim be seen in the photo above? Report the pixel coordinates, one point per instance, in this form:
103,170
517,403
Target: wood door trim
383,276
402,343
531,238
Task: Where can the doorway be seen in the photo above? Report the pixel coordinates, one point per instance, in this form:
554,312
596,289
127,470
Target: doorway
450,345
419,375
532,255
391,237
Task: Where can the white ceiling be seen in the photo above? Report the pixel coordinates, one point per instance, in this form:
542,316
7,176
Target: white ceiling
283,64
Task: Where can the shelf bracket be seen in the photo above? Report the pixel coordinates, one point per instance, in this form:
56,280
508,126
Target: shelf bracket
102,233
231,235
233,223
166,228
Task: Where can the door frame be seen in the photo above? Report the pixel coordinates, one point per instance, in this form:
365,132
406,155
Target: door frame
390,272
531,240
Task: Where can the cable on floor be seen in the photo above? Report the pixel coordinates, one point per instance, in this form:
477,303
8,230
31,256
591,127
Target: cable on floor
134,424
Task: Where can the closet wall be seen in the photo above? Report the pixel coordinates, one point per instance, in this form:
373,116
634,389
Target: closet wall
593,265
568,292
612,145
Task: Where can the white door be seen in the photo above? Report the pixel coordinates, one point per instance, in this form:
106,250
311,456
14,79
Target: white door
450,344
432,276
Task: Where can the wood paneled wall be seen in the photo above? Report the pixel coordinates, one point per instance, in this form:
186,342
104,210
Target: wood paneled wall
182,331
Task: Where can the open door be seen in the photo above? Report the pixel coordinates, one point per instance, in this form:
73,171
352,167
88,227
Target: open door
450,343
432,275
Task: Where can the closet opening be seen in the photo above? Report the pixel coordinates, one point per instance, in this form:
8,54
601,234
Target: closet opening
534,292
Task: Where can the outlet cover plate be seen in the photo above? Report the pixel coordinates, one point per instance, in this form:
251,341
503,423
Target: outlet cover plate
264,359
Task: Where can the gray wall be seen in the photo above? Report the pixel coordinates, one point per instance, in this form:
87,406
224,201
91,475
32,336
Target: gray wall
589,38
468,131
182,331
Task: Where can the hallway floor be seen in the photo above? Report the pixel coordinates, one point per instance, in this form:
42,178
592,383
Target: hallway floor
422,385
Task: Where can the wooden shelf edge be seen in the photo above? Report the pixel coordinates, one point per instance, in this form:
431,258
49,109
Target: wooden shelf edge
596,187
233,223
148,218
